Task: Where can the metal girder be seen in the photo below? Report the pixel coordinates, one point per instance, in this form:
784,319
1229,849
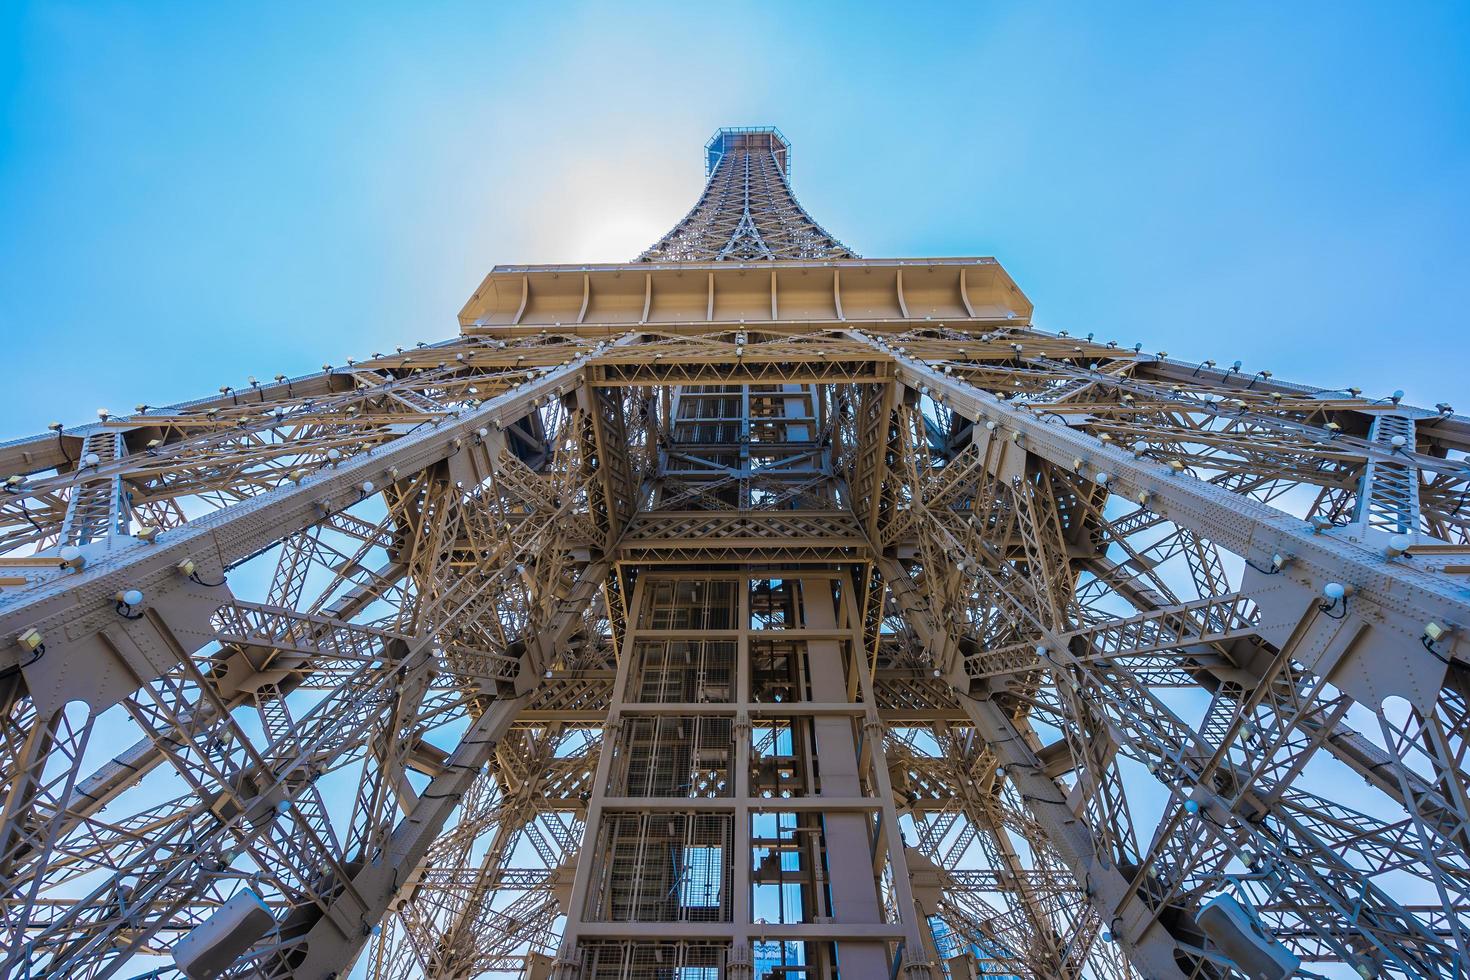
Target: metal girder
1091,866
1411,947
216,542
338,938
772,536
1400,595
1149,949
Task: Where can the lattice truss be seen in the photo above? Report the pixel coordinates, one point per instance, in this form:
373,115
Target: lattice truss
1135,634
747,211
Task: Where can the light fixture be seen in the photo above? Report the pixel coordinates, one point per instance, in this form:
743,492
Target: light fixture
128,601
1334,596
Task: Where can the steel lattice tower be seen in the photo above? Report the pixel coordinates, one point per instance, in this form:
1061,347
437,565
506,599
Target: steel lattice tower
749,610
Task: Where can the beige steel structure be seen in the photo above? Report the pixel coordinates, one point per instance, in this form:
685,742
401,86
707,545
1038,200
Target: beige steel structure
754,610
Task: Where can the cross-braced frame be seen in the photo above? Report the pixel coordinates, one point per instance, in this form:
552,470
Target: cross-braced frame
749,610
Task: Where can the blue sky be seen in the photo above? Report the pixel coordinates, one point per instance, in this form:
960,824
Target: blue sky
190,194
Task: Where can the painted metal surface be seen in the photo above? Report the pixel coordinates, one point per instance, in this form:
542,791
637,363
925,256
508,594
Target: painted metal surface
748,607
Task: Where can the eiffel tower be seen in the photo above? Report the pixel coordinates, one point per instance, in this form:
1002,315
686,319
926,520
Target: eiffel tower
748,610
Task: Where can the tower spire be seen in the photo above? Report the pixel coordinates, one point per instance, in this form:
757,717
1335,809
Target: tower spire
747,211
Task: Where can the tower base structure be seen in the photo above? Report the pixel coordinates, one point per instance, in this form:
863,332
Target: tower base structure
751,609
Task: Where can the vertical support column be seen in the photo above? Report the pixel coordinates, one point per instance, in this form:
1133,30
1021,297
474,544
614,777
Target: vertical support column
568,966
846,833
97,508
745,434
1388,496
917,940
740,846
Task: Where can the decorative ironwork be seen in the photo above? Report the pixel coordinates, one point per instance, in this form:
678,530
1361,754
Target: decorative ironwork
750,609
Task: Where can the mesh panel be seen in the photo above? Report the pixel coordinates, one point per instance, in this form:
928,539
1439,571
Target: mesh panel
663,867
673,755
687,605
609,960
683,670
